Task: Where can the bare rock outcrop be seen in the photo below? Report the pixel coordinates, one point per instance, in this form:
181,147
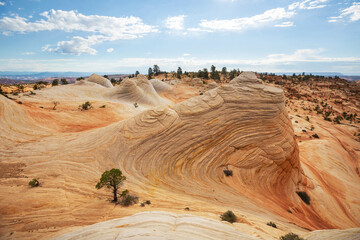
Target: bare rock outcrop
95,78
158,225
243,127
139,90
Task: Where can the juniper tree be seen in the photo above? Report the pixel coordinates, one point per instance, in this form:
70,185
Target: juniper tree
111,179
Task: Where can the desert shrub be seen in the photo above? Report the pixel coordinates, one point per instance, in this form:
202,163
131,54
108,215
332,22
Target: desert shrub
55,82
127,199
148,202
201,93
64,81
187,209
291,236
19,102
34,182
103,106
136,105
228,172
304,196
271,224
315,135
85,106
142,205
228,216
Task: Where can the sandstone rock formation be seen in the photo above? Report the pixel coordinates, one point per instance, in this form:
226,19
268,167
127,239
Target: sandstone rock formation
173,154
158,225
95,78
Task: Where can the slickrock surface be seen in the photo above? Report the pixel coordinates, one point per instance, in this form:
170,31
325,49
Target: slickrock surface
158,225
173,149
334,234
99,80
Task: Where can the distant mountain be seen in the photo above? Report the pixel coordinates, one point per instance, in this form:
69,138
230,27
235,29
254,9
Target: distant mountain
44,75
325,74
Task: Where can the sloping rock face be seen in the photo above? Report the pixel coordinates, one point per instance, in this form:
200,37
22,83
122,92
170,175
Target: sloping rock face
139,90
160,86
158,225
95,78
243,127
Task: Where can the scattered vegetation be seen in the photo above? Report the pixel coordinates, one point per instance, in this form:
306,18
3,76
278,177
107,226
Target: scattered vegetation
34,182
127,199
228,216
64,81
113,179
291,236
86,106
55,104
228,172
271,224
55,82
136,105
103,106
304,196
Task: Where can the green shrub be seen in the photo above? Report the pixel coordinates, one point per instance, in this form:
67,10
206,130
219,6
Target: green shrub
34,182
271,224
291,236
85,106
127,199
228,172
228,216
136,105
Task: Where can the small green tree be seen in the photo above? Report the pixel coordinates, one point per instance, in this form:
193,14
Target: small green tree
55,82
150,73
156,70
224,71
179,72
111,179
205,73
64,81
137,73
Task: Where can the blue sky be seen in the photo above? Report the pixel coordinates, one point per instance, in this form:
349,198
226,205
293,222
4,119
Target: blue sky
124,36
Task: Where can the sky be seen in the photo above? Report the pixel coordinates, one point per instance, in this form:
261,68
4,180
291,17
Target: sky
123,36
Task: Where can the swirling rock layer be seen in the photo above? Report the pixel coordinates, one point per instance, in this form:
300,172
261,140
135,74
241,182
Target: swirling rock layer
158,225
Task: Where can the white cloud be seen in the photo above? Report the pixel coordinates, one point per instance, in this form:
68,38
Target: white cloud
27,53
351,14
285,24
308,4
104,28
186,54
199,30
240,24
175,23
109,50
272,62
2,4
